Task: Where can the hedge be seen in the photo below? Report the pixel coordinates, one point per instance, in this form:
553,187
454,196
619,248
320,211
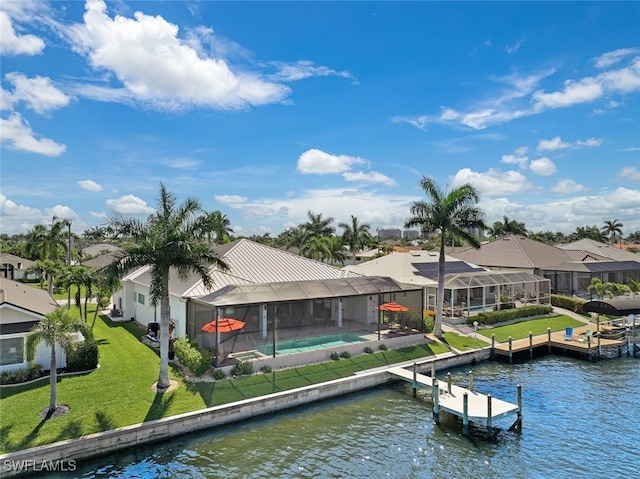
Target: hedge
82,356
567,302
493,317
196,360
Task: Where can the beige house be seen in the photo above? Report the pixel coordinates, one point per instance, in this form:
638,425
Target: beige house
22,307
14,267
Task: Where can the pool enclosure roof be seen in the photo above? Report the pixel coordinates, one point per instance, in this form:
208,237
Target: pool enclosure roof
242,294
490,278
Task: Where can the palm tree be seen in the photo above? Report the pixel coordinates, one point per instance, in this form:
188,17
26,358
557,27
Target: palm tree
171,241
317,225
79,276
612,229
336,249
47,243
356,236
597,287
57,327
316,247
448,213
220,227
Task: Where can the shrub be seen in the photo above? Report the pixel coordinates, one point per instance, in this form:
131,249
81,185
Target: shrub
429,322
219,374
242,368
566,302
82,356
345,354
383,347
335,356
368,350
266,369
195,359
34,371
493,317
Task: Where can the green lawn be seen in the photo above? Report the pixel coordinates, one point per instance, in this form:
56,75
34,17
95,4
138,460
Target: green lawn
536,326
464,343
65,294
119,392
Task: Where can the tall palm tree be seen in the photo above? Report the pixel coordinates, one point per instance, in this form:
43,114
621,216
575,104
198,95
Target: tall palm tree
336,249
220,226
612,229
56,328
356,236
47,243
317,225
172,241
317,247
448,213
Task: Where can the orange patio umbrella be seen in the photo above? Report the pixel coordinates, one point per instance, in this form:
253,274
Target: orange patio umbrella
393,307
223,325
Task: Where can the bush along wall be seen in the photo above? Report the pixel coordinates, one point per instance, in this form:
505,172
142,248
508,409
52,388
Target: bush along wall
196,360
493,317
567,302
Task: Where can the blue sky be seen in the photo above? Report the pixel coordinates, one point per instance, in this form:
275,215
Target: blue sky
267,110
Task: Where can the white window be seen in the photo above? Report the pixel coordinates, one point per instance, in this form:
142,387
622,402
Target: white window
140,298
11,351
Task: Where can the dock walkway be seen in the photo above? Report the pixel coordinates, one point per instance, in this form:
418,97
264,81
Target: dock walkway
479,407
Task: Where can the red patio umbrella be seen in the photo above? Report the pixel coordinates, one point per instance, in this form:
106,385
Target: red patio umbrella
393,306
223,325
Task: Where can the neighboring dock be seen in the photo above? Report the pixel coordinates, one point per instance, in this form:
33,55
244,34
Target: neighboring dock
462,402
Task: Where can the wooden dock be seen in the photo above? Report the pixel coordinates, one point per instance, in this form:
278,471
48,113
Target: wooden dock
578,342
462,402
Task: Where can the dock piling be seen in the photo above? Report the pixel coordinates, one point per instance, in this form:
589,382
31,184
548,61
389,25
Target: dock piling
465,414
449,383
549,339
415,379
436,402
510,350
493,347
530,345
599,347
489,418
470,380
589,353
433,369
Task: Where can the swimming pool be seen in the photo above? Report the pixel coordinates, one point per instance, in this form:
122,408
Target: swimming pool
310,344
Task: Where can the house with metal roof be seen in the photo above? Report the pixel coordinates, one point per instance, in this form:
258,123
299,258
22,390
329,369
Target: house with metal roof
22,307
469,288
280,297
570,268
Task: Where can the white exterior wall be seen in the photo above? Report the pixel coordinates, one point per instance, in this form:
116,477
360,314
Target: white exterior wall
148,313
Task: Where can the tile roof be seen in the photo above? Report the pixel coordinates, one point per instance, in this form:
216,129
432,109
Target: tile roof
13,259
514,252
25,297
602,249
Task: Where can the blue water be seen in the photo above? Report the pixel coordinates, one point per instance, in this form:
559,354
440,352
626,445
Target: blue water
580,421
310,344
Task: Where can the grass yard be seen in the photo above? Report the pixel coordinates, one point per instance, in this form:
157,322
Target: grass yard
119,392
536,326
464,343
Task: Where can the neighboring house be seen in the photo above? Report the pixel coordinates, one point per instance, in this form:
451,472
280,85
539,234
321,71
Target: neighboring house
13,267
99,250
468,287
267,289
602,249
570,268
22,307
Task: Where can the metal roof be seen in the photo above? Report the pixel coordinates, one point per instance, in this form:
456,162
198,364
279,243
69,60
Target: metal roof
249,263
234,295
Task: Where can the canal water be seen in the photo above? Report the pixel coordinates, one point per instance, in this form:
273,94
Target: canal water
581,419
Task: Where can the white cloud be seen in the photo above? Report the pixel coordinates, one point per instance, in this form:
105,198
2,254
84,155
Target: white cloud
567,186
514,48
129,205
581,91
304,69
99,215
629,173
543,167
321,163
231,200
633,148
521,151
17,134
370,177
611,58
521,161
163,70
553,144
493,182
89,185
556,143
63,213
38,93
12,43
15,218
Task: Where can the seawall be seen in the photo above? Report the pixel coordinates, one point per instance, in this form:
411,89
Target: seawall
67,453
